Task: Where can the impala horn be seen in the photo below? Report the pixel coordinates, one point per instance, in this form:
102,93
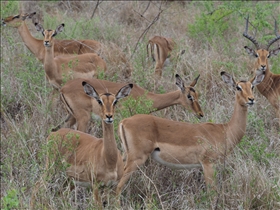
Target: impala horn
248,36
276,38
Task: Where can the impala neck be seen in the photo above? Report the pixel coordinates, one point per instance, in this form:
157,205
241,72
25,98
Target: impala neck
237,125
110,150
49,64
265,86
162,101
33,44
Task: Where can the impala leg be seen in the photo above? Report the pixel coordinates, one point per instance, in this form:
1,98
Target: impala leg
278,114
130,167
67,123
54,98
209,175
33,195
82,120
96,196
158,72
38,185
70,122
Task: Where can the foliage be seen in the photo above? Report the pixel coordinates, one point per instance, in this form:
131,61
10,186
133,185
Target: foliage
10,201
133,106
9,8
216,19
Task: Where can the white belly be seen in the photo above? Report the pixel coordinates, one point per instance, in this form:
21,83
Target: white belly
156,157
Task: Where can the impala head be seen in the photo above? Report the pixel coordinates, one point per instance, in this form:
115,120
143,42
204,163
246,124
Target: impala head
244,89
107,101
17,20
189,95
49,34
262,54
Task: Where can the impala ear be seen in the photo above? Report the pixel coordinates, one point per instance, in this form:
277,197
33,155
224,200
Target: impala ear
124,91
30,15
274,52
251,52
59,29
257,79
228,79
90,91
16,16
40,28
194,81
180,83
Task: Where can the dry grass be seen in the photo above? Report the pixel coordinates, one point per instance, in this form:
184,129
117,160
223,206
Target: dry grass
249,179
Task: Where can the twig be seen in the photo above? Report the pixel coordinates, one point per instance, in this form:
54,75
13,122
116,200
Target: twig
97,3
141,15
147,7
159,196
147,29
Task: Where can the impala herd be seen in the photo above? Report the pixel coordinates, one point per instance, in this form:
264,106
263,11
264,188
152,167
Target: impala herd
72,68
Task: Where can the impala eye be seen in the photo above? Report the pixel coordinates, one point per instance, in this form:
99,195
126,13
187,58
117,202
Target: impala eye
238,88
100,102
190,97
115,102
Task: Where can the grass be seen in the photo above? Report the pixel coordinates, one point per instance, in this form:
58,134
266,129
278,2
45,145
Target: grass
249,178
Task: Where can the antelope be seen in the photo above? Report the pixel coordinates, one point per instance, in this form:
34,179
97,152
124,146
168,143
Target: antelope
270,86
80,106
93,161
182,145
62,47
67,67
160,48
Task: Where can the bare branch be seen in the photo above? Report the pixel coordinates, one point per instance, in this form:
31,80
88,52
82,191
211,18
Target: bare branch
147,29
97,3
147,7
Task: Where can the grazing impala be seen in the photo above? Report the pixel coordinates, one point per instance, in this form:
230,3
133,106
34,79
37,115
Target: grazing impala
160,48
67,67
181,145
80,106
270,86
61,46
93,161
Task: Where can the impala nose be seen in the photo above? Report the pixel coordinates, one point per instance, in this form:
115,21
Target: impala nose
46,43
251,101
200,115
263,66
3,23
109,119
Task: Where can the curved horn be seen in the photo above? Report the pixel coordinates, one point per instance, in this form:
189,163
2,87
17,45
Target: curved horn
276,38
249,37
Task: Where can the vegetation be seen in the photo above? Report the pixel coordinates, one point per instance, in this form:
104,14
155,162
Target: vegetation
211,34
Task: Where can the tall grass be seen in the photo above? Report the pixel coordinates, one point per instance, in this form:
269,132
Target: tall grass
211,34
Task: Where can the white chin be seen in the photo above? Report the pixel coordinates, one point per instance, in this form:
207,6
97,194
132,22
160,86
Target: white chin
108,122
259,71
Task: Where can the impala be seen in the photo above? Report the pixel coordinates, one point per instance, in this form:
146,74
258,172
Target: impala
80,106
67,67
270,86
61,46
93,161
160,48
182,145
